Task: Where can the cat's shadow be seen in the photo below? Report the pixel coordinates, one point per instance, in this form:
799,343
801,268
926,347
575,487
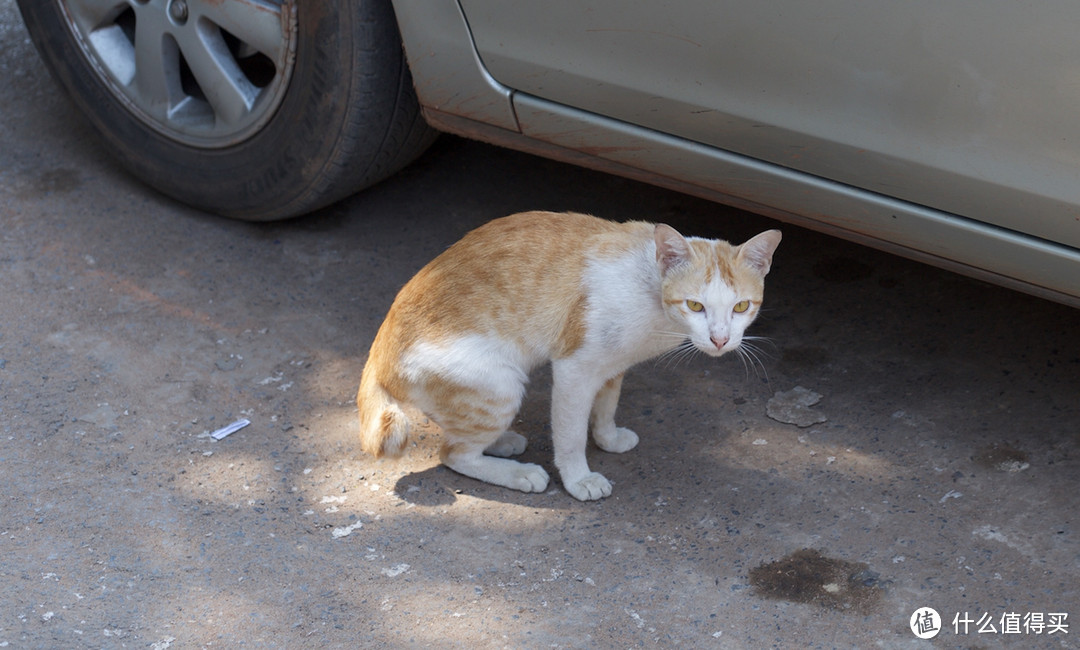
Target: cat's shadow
427,488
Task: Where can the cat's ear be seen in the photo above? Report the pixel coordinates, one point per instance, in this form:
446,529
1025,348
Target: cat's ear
757,252
672,249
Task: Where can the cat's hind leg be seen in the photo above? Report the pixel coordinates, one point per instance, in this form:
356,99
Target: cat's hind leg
466,456
475,424
608,436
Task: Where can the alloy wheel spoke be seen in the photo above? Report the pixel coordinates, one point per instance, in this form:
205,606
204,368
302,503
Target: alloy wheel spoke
90,15
255,22
212,64
157,76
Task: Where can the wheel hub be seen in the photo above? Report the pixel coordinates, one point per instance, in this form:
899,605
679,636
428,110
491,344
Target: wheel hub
178,11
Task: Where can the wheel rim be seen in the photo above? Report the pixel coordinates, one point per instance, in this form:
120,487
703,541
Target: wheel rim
204,73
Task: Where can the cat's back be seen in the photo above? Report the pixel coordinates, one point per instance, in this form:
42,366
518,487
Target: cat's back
529,239
516,256
518,275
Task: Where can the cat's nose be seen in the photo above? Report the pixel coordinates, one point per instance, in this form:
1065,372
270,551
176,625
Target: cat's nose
719,341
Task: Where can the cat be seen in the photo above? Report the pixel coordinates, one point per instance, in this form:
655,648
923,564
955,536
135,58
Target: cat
591,296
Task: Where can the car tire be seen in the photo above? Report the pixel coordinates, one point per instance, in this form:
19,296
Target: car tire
312,111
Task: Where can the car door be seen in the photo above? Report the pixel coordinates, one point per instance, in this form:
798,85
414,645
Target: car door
969,108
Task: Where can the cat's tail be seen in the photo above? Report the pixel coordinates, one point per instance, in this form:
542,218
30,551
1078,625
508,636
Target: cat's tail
384,427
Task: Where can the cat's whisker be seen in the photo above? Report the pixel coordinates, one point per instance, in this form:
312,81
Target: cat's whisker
751,357
746,366
689,351
754,353
670,356
761,339
670,334
682,352
674,336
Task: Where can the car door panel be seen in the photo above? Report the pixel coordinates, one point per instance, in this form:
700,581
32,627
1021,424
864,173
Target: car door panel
966,108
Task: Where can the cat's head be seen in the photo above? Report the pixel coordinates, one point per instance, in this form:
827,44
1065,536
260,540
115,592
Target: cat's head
712,289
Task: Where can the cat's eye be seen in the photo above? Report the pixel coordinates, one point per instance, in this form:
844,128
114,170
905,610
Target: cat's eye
740,307
694,305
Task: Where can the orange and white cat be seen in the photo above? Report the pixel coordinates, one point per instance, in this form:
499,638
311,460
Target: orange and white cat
593,297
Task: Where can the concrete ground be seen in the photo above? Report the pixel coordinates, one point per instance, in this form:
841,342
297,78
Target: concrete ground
943,471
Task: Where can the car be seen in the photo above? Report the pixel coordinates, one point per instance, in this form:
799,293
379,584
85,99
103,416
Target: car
946,132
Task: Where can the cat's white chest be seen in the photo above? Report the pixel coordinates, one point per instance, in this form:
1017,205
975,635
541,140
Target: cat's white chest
626,319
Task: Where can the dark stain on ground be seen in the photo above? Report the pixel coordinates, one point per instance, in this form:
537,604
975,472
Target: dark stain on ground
841,269
51,181
807,576
1002,457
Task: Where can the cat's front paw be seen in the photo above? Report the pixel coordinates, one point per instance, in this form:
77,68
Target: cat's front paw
616,440
529,478
590,488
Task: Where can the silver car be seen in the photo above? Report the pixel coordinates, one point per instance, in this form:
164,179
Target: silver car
943,131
